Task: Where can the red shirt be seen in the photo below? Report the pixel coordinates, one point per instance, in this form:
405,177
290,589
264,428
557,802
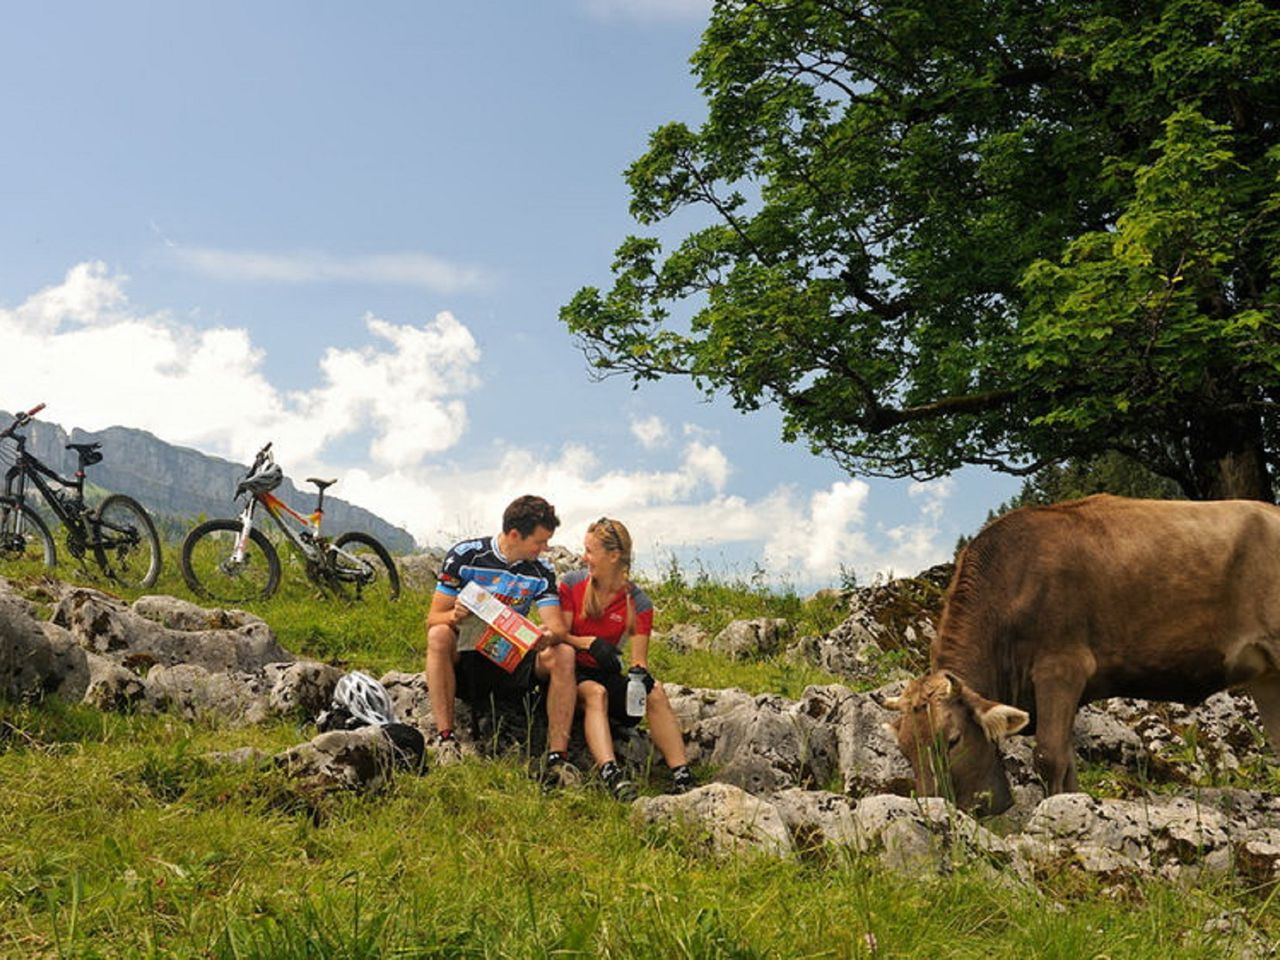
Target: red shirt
612,620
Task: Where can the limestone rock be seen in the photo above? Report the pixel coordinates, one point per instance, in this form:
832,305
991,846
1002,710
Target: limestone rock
730,819
745,639
361,759
419,571
108,626
816,817
921,835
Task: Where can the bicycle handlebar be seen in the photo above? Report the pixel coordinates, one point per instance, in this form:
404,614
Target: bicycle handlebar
262,456
21,420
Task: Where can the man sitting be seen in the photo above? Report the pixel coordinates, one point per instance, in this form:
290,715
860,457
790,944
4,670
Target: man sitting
507,566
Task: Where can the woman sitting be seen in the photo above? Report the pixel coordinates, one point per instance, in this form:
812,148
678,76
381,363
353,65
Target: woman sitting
603,608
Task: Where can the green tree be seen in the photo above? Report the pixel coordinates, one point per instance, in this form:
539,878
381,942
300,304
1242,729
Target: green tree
981,232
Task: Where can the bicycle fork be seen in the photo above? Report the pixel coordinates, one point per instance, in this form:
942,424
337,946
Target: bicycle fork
240,554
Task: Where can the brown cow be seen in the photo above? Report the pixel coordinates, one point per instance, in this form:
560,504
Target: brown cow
1052,607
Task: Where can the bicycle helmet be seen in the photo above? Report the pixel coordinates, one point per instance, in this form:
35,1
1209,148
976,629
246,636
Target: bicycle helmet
265,478
364,698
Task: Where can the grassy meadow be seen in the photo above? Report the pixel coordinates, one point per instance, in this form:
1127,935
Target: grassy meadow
118,839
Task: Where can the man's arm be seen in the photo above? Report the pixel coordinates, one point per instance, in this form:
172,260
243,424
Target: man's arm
555,629
446,609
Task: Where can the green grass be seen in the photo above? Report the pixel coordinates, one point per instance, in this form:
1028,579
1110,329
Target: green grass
119,837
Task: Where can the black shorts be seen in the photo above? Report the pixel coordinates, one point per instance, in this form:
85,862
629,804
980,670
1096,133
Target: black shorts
616,685
480,679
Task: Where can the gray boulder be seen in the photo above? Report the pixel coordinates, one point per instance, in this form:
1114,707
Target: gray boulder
107,626
761,744
196,693
420,571
362,759
745,639
728,819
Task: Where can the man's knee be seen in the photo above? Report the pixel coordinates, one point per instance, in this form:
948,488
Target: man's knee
442,640
557,662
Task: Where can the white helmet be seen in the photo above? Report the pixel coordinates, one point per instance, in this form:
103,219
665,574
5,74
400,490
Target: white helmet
364,698
268,477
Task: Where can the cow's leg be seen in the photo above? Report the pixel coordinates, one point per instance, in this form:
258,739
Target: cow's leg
1058,692
1266,694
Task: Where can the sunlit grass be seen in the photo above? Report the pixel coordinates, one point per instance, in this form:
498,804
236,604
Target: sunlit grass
120,836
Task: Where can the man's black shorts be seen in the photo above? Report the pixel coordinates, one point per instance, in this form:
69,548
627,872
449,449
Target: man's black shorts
479,678
616,685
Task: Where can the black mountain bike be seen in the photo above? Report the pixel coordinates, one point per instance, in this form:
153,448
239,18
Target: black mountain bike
118,532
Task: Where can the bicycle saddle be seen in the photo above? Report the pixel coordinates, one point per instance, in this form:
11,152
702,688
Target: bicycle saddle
88,452
321,484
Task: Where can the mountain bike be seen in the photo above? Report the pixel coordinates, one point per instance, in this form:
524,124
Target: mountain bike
232,561
118,532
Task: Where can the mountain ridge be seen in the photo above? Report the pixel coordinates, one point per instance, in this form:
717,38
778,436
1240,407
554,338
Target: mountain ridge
182,482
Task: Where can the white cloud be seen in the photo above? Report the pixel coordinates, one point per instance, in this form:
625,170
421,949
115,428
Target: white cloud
648,9
650,431
96,365
402,269
97,362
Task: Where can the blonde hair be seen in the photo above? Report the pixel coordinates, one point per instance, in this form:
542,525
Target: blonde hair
616,538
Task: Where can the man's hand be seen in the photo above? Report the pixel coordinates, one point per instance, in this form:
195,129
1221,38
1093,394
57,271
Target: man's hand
545,639
459,613
605,654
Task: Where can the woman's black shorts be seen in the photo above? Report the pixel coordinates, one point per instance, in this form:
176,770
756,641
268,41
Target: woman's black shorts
616,685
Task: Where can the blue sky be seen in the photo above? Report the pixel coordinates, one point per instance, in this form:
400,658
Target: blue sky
349,228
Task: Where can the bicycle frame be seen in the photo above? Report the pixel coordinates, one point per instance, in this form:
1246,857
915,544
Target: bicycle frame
70,510
306,540
303,532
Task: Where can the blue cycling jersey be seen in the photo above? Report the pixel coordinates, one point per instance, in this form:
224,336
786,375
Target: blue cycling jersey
518,584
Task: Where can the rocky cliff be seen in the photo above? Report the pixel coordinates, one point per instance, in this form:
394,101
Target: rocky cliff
173,481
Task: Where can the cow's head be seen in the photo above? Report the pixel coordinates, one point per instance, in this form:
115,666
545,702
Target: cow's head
948,733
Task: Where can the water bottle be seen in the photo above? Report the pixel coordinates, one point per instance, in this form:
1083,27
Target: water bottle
635,692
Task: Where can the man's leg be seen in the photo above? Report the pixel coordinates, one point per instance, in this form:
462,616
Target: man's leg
555,665
442,682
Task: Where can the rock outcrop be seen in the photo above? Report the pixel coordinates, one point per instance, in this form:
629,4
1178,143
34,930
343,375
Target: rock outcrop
788,775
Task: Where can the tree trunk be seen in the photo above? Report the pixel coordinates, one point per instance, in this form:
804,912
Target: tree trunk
1229,459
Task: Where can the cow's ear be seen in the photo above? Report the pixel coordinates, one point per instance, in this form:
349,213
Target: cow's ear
939,686
999,720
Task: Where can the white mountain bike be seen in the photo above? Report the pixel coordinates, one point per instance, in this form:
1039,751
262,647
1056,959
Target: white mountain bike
232,561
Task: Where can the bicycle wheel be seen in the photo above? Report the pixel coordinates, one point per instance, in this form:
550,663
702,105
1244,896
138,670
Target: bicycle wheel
362,568
24,536
126,544
211,572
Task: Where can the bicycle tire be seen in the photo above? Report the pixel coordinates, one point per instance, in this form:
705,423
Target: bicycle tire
134,563
206,555
386,577
24,536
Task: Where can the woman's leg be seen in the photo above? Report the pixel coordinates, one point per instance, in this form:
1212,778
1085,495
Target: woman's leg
595,721
664,729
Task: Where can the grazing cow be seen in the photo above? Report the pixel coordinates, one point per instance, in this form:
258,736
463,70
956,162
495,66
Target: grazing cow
1052,607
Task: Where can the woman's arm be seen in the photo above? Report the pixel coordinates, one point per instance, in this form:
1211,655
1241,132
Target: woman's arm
640,650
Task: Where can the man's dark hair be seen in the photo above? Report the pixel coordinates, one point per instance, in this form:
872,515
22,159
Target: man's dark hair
525,514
